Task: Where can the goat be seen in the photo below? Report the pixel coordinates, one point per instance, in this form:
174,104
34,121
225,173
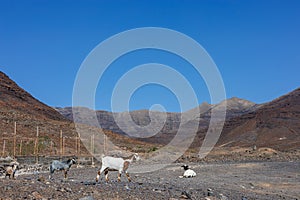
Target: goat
188,173
64,165
10,170
116,164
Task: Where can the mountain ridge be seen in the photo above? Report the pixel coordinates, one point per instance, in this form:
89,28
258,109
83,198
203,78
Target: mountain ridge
246,123
275,124
23,117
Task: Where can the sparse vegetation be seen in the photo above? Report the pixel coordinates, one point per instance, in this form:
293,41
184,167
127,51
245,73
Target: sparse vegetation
152,149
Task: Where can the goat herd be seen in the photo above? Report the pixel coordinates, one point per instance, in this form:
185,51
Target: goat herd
109,163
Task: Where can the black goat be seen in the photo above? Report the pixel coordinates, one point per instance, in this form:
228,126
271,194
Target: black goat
64,165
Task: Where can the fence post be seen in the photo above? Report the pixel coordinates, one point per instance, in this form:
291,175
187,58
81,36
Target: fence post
61,144
3,150
76,146
15,135
36,145
79,143
21,147
105,144
92,148
51,148
78,149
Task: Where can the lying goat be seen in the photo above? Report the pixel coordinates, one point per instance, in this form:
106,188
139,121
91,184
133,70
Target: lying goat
116,164
11,169
188,173
64,165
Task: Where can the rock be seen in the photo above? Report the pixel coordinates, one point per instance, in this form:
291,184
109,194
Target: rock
41,179
7,188
126,187
156,190
223,197
209,192
89,183
37,195
61,189
87,198
186,195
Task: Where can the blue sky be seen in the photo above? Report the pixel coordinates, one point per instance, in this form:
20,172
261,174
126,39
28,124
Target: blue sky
255,45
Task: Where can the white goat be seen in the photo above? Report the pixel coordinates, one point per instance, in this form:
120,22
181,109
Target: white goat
188,173
64,165
116,164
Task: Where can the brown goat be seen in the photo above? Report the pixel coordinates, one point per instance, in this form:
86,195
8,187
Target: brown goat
11,170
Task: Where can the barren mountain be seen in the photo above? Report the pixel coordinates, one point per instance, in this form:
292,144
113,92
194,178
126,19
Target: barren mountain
275,124
171,121
235,107
16,101
29,114
20,107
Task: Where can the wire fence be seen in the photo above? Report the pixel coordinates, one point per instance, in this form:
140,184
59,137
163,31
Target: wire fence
42,145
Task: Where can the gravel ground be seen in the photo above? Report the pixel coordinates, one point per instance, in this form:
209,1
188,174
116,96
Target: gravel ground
243,181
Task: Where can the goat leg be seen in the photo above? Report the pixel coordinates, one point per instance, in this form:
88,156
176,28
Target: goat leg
66,174
106,175
98,175
51,171
128,177
119,177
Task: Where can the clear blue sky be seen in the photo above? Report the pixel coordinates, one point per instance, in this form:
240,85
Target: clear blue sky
255,45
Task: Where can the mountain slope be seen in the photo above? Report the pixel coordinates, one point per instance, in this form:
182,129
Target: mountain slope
275,124
164,134
15,100
20,107
235,107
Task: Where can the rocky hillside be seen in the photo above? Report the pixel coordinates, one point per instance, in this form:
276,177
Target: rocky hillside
275,124
16,102
235,107
20,107
163,133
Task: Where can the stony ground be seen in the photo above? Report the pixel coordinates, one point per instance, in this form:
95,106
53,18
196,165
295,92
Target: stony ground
244,181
